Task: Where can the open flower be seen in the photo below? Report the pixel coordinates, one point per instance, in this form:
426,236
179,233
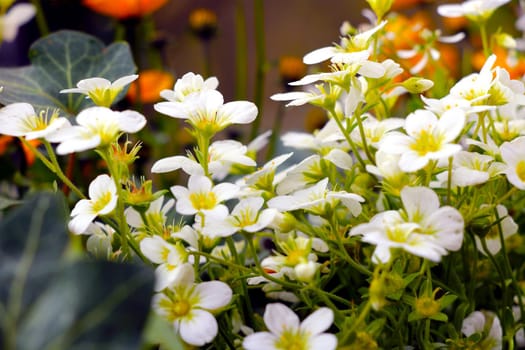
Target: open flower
101,91
287,332
188,306
20,119
202,197
513,154
97,126
207,112
428,138
189,83
102,200
423,229
222,155
246,215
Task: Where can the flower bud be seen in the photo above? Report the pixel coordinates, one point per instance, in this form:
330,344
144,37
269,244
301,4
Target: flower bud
305,272
203,23
380,7
417,85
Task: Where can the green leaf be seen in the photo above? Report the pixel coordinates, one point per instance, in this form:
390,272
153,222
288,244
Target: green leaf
60,61
50,302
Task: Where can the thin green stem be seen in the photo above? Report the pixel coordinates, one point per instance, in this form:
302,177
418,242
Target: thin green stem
276,131
41,22
241,52
260,62
484,38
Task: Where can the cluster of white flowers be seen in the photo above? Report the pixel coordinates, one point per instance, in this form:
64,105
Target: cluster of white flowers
377,194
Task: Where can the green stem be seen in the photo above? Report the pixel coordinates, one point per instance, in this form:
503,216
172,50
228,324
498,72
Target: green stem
484,38
276,131
241,52
260,64
40,18
348,139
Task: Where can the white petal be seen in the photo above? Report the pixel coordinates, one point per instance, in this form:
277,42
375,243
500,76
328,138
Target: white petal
130,121
319,321
260,341
238,112
419,201
18,15
125,80
79,224
323,341
198,328
168,164
173,109
279,317
213,295
319,55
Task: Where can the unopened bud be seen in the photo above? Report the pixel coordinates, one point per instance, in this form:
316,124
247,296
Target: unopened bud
417,85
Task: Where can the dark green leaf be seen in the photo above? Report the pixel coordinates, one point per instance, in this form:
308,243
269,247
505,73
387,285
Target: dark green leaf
59,61
50,302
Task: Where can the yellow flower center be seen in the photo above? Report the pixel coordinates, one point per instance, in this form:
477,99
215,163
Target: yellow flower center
101,202
296,256
104,97
245,218
290,340
181,308
520,170
426,142
203,200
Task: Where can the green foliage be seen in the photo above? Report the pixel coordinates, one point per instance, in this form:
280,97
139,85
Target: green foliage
60,61
49,301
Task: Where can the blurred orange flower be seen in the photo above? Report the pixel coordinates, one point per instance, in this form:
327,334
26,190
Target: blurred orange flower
6,140
121,9
514,65
148,86
399,5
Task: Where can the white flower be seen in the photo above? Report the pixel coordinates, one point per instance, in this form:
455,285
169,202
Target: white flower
374,130
188,306
475,87
285,331
201,196
20,119
299,98
500,221
97,126
246,215
102,200
207,112
221,155
169,257
189,83
477,10
387,167
423,229
101,91
314,199
155,215
17,16
487,325
353,49
470,169
428,138
513,155
100,239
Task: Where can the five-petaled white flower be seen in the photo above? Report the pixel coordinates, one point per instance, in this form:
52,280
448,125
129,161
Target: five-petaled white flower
202,197
428,138
20,119
97,126
102,200
189,83
286,331
188,306
207,112
101,91
222,155
423,228
246,215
